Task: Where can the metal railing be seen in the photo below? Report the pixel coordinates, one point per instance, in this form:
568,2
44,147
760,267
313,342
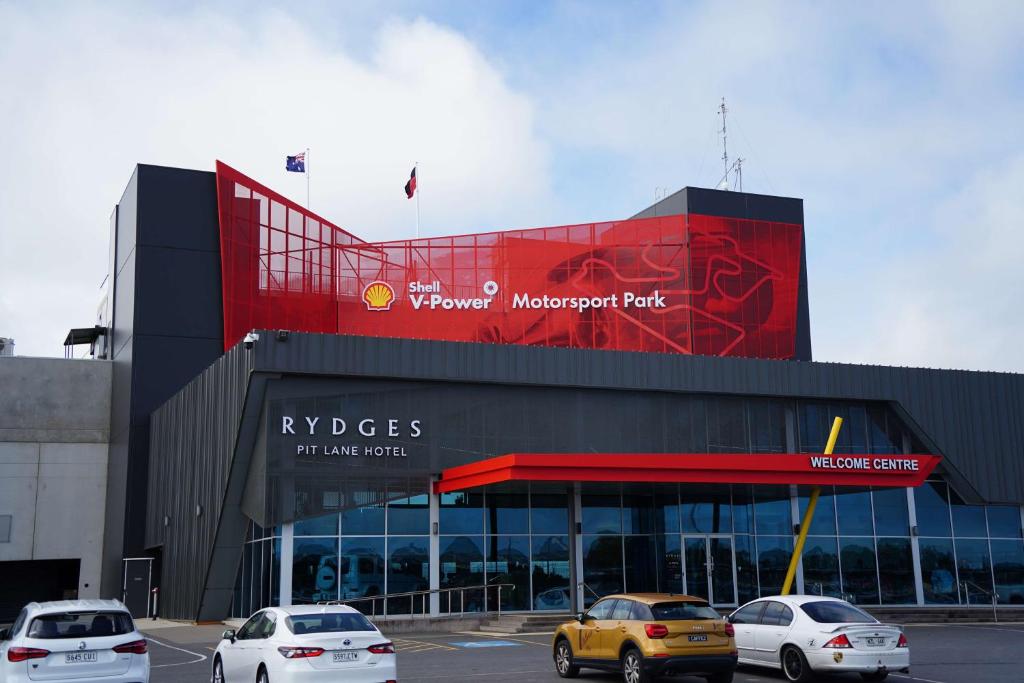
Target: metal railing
992,596
424,599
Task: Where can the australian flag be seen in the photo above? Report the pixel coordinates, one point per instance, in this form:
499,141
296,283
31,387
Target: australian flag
296,164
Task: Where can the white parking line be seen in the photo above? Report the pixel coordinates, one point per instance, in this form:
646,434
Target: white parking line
914,678
200,655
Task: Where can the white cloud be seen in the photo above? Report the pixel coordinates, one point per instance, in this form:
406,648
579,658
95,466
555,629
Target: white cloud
88,92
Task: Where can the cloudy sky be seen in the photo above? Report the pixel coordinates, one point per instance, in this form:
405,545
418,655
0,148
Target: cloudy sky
899,124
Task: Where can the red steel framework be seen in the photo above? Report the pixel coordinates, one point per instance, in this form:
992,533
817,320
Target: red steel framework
710,285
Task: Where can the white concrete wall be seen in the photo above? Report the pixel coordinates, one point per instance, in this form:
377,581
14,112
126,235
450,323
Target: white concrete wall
54,426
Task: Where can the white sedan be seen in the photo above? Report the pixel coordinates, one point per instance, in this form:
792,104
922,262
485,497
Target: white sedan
807,634
305,644
81,640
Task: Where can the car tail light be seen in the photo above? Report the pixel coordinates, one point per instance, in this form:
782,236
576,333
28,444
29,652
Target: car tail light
300,652
382,649
730,630
839,642
20,654
136,647
656,630
903,641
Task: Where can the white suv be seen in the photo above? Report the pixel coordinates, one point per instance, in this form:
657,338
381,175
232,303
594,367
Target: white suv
88,641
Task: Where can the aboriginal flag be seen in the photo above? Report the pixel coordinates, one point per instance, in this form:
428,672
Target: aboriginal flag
410,187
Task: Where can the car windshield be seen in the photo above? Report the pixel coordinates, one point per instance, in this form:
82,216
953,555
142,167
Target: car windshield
328,623
675,611
80,625
829,612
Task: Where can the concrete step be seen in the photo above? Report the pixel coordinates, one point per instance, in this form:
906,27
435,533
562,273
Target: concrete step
524,623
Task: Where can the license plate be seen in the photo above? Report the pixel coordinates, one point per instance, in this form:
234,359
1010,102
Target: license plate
699,638
79,657
875,642
346,656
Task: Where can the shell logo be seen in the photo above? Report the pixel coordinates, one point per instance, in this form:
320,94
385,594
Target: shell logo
378,296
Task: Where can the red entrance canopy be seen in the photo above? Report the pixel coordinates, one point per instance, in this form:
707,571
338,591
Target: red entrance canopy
708,468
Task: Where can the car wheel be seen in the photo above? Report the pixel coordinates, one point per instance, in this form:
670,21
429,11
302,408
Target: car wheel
261,676
218,671
563,660
721,677
633,667
794,665
875,676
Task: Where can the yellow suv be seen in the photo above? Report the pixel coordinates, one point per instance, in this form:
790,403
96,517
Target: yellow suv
645,635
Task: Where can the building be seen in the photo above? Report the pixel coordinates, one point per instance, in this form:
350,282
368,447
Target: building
6,346
300,415
54,426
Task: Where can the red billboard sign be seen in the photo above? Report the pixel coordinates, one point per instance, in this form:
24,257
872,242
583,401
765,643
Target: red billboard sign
674,284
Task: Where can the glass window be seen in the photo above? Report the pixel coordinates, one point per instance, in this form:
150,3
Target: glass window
314,570
767,426
773,553
743,509
324,525
853,510
824,522
641,612
462,564
969,520
821,566
508,561
408,570
891,517
727,425
938,571
746,570
461,512
860,575
896,571
748,614
931,502
706,509
409,515
666,502
602,610
364,516
641,564
327,623
683,611
974,569
601,513
772,615
772,511
670,572
90,625
361,570
549,513
249,627
638,513
885,432
602,565
1008,568
622,610
1004,521
550,569
508,510
831,612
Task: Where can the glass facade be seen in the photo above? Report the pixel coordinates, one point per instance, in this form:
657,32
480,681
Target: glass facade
552,542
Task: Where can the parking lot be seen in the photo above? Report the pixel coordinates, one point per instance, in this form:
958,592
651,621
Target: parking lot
953,653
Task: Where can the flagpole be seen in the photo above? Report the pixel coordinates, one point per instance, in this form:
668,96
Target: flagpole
417,167
307,179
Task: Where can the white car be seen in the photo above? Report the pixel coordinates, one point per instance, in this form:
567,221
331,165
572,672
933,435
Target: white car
808,634
305,644
89,641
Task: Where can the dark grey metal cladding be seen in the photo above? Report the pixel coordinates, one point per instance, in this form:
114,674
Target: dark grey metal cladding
975,419
168,325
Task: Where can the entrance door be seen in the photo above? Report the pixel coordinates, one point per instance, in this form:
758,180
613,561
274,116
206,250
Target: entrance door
710,566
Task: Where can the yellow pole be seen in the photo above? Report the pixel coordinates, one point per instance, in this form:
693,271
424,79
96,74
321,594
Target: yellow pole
805,524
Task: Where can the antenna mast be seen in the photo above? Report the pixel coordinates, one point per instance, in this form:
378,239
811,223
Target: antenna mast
725,149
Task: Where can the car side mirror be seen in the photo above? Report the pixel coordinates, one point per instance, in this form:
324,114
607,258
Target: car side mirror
582,617
228,635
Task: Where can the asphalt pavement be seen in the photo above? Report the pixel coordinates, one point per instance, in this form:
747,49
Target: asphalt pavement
948,653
